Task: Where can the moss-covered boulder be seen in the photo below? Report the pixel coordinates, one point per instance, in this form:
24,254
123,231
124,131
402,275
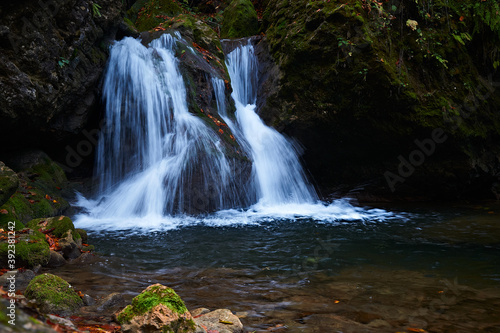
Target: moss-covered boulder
8,183
239,20
159,309
53,295
39,194
60,225
31,249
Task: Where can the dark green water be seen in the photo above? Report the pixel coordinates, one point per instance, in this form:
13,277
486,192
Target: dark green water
434,268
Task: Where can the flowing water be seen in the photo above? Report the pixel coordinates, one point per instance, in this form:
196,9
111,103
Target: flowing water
287,262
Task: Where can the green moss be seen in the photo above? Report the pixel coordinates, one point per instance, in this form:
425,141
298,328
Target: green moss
60,224
155,12
31,250
83,235
53,294
148,299
239,20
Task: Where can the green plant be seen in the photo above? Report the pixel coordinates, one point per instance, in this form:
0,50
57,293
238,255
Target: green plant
63,62
95,9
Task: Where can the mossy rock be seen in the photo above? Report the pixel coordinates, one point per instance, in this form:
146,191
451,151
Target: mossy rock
53,295
156,298
39,191
83,234
155,12
239,20
31,250
8,183
60,224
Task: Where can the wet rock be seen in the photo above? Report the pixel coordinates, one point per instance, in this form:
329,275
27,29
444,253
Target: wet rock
23,278
157,308
69,248
111,301
53,295
88,301
8,183
56,259
68,324
199,312
222,320
85,259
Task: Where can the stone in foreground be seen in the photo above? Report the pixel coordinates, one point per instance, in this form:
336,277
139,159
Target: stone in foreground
157,309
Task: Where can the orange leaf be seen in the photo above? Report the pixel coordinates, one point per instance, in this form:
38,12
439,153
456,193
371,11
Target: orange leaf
221,131
461,18
4,211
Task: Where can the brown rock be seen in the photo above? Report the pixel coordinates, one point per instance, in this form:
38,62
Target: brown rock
56,259
222,320
160,319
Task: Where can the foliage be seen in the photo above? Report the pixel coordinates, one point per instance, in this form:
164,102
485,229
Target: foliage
95,9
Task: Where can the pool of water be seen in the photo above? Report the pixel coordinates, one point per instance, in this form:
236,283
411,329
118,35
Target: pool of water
427,268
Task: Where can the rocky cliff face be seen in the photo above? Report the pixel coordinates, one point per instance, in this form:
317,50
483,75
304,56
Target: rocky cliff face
52,54
397,97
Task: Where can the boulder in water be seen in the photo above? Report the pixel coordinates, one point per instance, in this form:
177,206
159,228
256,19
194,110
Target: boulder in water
221,320
157,309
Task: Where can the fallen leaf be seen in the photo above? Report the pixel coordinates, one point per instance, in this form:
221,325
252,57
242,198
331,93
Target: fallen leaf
4,211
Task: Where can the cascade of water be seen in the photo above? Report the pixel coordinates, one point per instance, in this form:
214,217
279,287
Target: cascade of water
155,159
152,149
279,177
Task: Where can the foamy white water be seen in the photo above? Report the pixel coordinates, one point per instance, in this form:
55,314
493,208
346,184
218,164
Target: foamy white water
151,145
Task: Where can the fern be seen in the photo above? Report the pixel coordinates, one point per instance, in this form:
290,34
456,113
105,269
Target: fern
487,13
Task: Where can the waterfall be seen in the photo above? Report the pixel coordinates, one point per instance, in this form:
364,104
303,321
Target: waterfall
152,149
278,175
160,166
